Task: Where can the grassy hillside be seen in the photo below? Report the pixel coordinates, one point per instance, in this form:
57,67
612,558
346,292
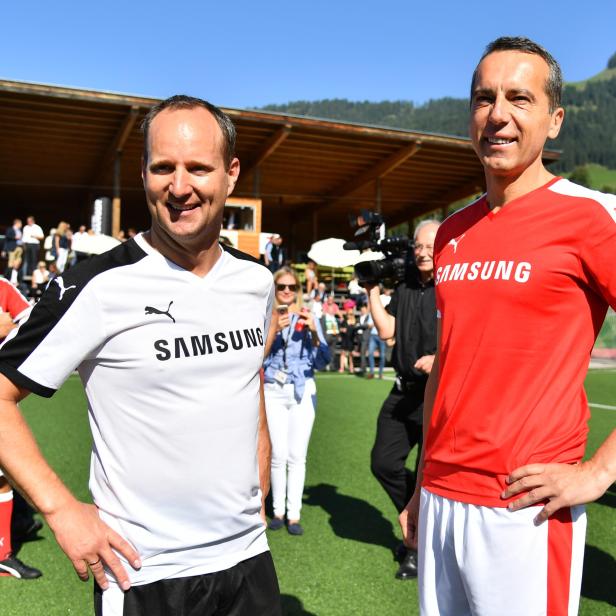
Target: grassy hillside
604,75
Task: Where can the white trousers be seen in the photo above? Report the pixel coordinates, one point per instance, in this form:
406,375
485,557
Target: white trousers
488,561
290,424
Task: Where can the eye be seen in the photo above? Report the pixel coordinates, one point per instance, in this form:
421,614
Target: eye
199,169
161,168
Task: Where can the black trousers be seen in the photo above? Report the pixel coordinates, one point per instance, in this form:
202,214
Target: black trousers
398,430
248,589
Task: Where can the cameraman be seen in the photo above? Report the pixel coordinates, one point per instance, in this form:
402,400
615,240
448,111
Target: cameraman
410,317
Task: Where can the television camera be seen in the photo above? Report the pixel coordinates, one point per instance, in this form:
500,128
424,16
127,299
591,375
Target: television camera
397,250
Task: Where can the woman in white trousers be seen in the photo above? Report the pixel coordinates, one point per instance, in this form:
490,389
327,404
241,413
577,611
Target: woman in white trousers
298,347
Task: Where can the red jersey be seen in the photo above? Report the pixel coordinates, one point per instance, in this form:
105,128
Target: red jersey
522,295
12,301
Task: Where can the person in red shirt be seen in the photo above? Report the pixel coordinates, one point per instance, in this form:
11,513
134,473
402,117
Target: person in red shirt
13,308
524,277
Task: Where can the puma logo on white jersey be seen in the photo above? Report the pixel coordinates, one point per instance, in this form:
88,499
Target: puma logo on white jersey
455,241
63,290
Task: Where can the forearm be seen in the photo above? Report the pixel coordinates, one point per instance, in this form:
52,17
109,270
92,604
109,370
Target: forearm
264,447
385,323
603,463
24,464
429,396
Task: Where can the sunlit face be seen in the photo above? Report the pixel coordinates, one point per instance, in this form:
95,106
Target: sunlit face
185,179
285,293
510,112
424,249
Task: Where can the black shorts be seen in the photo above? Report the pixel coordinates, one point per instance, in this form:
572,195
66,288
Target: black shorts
250,588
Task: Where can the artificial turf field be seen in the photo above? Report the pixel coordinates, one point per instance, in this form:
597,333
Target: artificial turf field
343,565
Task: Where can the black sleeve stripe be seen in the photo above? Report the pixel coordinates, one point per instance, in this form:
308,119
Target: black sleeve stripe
238,254
50,309
17,378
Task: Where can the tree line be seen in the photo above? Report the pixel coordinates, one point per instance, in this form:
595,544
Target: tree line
588,135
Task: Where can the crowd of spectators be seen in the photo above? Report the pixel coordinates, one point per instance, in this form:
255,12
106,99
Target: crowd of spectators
348,327
31,258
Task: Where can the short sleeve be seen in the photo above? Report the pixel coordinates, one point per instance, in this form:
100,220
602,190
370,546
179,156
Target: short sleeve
599,248
63,329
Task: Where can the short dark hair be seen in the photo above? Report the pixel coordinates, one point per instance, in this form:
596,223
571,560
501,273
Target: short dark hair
182,101
554,82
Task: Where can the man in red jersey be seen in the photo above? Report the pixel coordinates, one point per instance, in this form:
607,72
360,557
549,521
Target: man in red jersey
14,307
523,277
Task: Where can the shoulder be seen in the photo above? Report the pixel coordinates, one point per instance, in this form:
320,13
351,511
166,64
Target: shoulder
582,197
81,280
246,265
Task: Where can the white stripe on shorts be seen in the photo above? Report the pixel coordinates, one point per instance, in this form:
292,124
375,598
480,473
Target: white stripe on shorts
113,601
488,560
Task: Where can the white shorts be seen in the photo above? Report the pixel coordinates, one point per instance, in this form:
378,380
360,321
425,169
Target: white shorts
487,560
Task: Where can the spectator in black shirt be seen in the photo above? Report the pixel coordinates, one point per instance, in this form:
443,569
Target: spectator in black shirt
410,317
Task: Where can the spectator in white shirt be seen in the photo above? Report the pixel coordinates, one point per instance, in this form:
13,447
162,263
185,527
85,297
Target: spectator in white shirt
31,241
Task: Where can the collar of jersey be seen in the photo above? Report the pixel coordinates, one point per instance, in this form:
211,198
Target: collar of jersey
151,251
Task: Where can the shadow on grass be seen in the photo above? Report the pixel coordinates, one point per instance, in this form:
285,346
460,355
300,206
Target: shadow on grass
599,575
352,518
609,498
292,606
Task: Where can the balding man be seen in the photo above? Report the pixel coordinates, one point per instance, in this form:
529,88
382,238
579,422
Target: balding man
410,318
167,333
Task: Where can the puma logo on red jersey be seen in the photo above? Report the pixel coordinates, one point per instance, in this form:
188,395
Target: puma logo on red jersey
455,241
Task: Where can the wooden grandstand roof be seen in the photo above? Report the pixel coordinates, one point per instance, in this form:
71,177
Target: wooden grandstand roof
58,146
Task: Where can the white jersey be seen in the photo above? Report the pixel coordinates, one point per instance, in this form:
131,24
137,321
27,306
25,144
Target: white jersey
170,364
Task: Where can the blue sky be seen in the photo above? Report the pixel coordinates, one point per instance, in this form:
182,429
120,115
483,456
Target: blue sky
246,54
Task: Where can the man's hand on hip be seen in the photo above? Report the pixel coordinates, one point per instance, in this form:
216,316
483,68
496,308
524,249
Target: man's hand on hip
562,485
90,543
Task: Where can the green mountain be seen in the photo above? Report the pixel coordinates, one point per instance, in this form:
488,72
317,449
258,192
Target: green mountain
588,136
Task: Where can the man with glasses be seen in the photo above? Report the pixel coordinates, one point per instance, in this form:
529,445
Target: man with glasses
410,318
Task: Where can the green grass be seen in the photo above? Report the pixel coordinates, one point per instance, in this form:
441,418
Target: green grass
343,565
601,176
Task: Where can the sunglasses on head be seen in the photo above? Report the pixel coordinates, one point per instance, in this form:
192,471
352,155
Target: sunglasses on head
282,287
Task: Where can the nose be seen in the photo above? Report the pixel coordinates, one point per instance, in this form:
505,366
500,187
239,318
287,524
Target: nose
499,113
180,184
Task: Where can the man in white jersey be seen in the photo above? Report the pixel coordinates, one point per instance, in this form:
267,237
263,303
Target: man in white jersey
523,278
167,334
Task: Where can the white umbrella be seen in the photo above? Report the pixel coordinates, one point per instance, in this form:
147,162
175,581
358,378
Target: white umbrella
369,255
330,253
97,244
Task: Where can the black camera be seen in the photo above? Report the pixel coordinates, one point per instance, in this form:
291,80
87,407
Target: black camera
397,250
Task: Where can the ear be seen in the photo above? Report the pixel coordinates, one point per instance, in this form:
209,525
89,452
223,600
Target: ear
556,121
233,174
143,170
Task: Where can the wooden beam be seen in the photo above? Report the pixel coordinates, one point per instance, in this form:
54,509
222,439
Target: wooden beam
376,172
268,148
116,145
437,201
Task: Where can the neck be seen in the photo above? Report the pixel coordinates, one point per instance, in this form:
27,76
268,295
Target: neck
501,189
199,261
426,276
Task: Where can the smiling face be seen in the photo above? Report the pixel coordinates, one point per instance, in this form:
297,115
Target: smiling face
285,295
510,113
424,250
185,179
